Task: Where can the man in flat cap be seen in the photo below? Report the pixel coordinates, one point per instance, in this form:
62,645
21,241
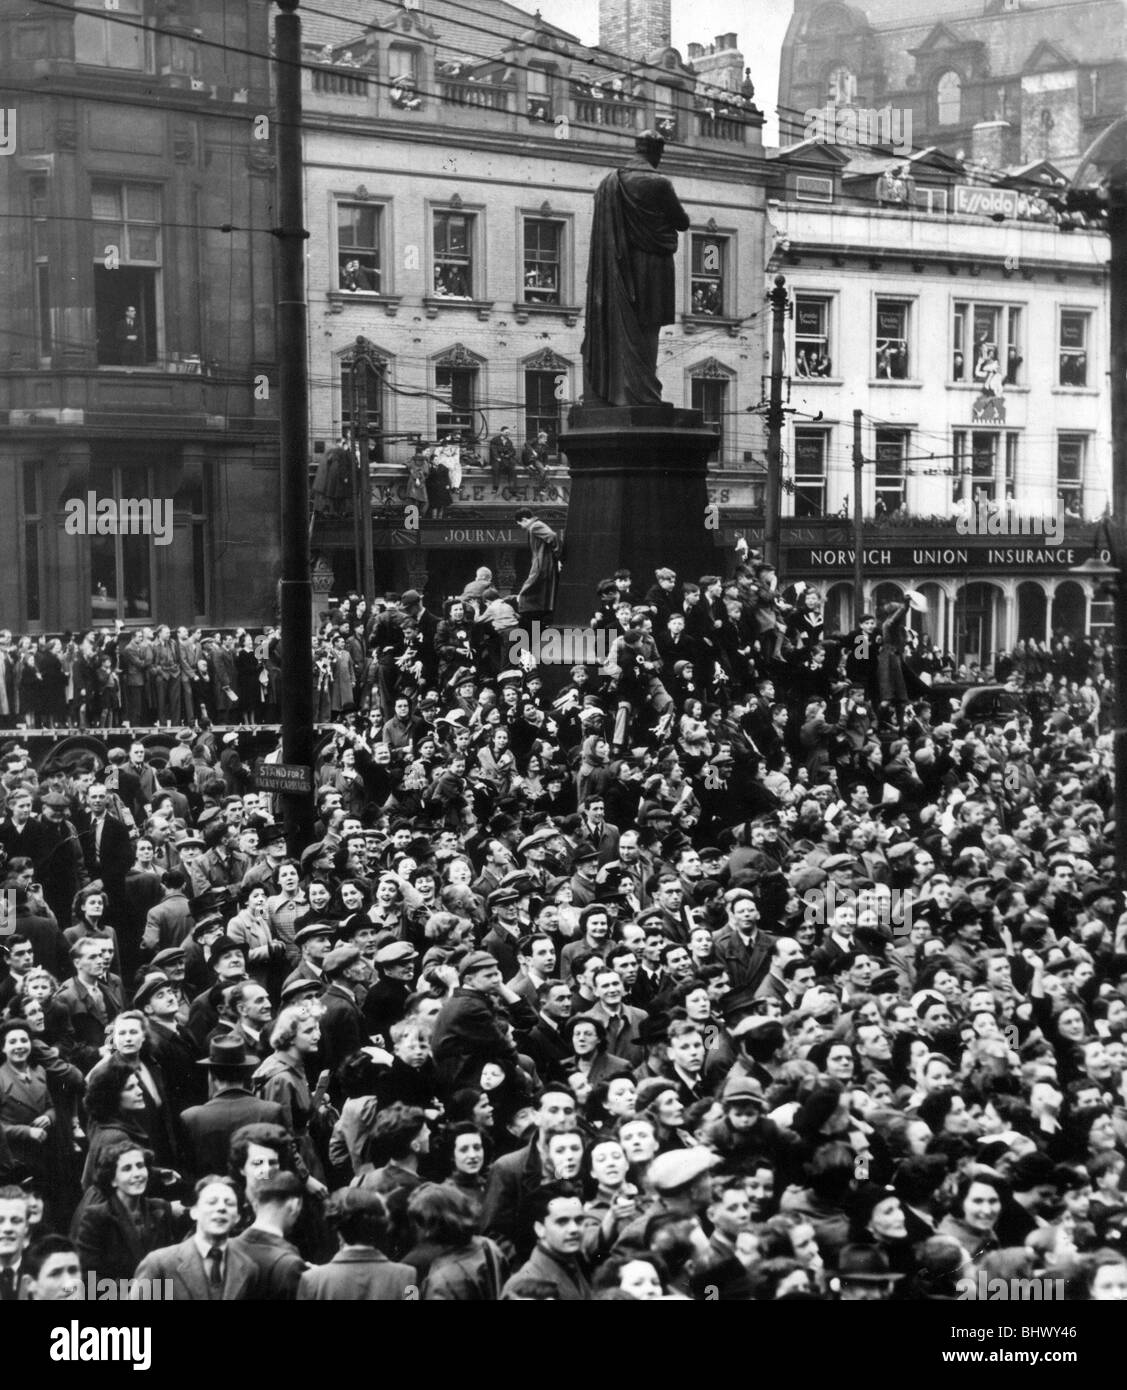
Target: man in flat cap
467,1032
343,1030
396,963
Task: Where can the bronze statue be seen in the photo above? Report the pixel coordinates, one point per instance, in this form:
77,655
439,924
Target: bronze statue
631,290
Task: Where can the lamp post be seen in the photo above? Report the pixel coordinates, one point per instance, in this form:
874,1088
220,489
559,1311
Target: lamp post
296,588
1100,188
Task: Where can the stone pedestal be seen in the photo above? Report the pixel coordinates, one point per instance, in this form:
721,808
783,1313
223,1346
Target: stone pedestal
639,499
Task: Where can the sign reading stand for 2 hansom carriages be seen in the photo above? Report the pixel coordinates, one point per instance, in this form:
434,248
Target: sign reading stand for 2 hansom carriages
283,777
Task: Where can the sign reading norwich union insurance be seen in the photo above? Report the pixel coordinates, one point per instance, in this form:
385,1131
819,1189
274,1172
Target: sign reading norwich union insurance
1018,554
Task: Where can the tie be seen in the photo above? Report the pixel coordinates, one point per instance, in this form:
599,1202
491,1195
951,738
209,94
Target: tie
7,1285
215,1268
98,836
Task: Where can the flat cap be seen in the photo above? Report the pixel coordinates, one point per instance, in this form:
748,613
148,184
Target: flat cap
396,953
475,961
314,929
670,1172
339,959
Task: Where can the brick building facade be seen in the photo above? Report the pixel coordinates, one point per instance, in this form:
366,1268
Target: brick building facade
135,144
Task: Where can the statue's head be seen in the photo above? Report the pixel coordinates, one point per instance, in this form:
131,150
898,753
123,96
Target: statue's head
650,144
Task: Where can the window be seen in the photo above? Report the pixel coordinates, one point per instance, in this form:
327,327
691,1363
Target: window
1072,452
809,473
811,336
841,87
710,397
892,340
948,98
892,448
539,106
190,495
1074,347
456,388
121,584
127,258
37,189
32,552
110,40
986,344
372,380
358,247
933,200
977,476
402,62
542,406
709,275
543,247
453,255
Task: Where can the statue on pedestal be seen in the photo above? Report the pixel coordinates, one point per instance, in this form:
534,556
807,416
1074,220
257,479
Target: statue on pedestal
631,289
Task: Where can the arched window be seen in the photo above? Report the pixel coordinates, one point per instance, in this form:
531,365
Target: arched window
948,98
842,86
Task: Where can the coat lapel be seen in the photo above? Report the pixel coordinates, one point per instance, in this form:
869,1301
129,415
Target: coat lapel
191,1271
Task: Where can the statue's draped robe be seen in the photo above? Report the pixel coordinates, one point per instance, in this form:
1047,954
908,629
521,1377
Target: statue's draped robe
631,291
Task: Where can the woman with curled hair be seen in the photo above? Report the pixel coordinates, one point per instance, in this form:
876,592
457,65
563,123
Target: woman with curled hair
455,1263
639,1276
129,1042
118,1225
590,1060
281,1078
974,1214
115,1109
88,912
1102,1277
467,1152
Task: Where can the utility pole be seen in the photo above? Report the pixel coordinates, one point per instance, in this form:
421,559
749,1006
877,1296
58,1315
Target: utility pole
858,521
293,415
1109,199
364,361
1117,228
773,497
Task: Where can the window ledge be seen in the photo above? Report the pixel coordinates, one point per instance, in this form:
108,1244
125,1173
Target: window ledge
976,386
432,304
895,382
818,380
696,323
1075,390
570,312
339,298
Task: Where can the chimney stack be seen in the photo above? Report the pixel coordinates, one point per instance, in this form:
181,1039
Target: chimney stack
635,28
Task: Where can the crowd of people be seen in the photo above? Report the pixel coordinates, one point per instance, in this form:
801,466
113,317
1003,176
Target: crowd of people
739,967
138,677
